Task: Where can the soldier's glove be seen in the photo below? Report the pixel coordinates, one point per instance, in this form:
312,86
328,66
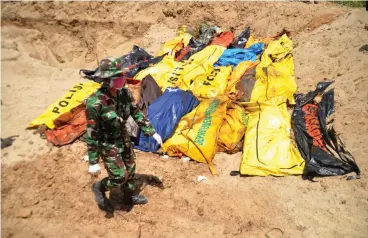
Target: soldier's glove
94,169
157,137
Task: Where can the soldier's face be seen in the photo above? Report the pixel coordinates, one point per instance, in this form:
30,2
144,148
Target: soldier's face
117,83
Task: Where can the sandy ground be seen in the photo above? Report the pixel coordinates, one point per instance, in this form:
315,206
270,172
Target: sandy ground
46,190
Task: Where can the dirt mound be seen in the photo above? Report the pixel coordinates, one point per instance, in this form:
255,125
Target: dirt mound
76,34
45,44
55,201
334,49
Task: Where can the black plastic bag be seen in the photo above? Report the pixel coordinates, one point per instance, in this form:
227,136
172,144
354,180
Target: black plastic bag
193,47
135,60
137,55
322,149
134,69
241,40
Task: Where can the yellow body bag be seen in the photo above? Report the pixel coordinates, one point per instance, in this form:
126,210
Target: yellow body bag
233,128
210,54
267,145
211,84
167,64
196,133
171,73
275,73
70,100
174,45
199,63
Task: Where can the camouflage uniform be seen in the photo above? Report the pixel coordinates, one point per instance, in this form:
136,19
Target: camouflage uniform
107,135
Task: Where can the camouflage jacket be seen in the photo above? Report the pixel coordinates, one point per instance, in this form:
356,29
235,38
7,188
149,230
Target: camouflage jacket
106,116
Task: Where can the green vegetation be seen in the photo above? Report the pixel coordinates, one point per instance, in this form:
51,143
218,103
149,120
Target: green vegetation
351,3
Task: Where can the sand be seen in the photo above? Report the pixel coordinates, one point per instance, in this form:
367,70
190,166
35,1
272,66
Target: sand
46,190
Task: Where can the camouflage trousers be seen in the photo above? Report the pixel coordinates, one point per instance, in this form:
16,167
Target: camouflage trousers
119,161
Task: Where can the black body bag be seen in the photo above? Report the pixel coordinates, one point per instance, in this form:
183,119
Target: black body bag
322,149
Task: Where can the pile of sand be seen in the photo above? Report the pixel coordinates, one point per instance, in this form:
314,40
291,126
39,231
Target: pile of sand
48,195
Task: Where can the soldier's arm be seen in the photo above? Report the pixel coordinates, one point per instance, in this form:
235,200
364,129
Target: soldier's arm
92,134
140,118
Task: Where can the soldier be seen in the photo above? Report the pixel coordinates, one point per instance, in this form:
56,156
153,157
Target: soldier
107,137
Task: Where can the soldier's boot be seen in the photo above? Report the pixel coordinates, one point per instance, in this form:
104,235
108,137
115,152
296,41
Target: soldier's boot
134,199
100,197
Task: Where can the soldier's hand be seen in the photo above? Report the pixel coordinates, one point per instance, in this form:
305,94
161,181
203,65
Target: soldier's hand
158,138
94,169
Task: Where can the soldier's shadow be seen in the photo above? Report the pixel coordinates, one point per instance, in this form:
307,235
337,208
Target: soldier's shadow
141,181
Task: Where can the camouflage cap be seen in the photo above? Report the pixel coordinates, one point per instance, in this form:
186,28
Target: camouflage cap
109,67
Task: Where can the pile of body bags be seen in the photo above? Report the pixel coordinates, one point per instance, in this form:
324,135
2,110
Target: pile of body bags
212,92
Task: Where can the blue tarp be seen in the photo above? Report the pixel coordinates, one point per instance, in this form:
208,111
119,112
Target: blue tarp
165,113
235,56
